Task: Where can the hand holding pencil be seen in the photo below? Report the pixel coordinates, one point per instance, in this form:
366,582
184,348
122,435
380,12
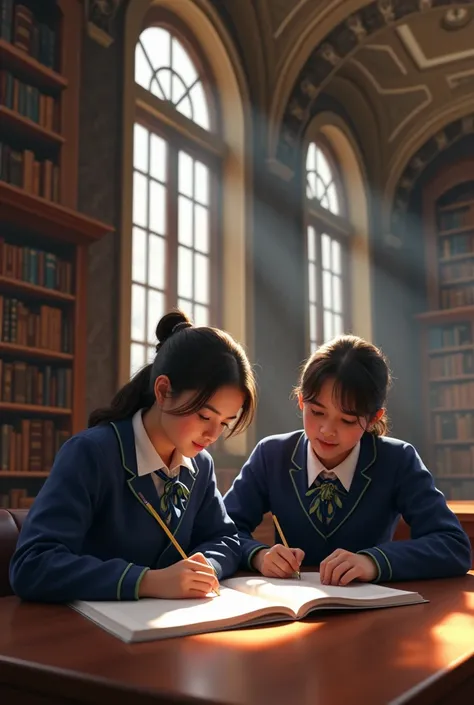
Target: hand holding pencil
192,576
279,561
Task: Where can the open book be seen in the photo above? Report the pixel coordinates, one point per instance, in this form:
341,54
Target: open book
243,602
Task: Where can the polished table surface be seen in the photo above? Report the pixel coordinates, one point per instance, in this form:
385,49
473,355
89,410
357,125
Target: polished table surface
418,654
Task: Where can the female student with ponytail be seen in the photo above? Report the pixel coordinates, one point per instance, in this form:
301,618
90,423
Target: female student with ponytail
90,535
339,487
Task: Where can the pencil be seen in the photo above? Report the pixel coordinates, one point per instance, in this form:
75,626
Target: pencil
284,541
160,521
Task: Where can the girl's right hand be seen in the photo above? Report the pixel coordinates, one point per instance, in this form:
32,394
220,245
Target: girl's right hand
278,561
193,577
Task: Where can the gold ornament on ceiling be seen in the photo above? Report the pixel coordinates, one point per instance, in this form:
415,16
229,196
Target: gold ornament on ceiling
456,18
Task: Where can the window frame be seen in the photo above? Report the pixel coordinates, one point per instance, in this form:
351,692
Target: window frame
337,227
181,133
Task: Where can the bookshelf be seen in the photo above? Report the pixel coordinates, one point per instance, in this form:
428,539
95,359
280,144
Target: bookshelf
447,330
43,242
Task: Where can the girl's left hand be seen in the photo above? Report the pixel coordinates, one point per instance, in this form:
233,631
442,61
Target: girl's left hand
342,567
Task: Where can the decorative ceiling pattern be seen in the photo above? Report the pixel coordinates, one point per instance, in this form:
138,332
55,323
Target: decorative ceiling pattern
399,77
384,71
421,159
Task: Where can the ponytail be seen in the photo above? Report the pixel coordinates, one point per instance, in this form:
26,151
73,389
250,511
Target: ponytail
135,395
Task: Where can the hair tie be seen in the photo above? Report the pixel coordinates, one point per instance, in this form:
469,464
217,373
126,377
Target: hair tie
180,326
175,329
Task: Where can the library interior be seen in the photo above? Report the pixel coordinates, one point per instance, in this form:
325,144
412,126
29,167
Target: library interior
288,171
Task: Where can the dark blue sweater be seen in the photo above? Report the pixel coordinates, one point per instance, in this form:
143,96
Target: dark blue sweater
89,537
390,481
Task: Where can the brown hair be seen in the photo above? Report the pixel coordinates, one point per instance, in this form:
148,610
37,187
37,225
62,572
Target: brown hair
360,373
198,359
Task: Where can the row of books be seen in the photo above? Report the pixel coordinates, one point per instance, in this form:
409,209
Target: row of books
452,396
454,426
456,245
452,364
16,498
449,336
457,270
29,101
460,218
44,385
30,445
40,267
35,326
22,169
461,295
454,461
20,26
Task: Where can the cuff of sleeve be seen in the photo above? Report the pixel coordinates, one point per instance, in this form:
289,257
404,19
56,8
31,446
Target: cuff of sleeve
216,565
252,553
384,567
129,582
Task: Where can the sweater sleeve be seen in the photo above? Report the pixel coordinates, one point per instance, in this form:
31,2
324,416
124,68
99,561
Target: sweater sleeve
438,547
48,564
214,533
247,501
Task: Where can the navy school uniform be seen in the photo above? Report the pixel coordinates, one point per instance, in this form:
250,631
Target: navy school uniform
390,481
88,535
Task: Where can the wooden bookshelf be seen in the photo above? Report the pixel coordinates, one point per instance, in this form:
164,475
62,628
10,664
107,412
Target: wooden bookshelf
27,129
25,289
447,329
14,59
43,245
45,218
41,409
26,351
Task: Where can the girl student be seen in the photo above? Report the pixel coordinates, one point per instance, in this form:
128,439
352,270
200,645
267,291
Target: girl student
90,534
339,487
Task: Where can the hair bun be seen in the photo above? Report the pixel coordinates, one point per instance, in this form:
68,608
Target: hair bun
171,323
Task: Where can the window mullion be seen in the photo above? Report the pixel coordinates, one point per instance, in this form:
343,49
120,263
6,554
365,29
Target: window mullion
172,228
319,286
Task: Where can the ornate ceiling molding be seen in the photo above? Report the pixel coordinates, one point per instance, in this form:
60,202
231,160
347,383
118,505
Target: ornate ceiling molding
436,144
329,55
420,94
421,61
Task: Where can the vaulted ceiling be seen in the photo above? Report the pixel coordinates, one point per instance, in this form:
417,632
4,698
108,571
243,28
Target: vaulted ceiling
401,69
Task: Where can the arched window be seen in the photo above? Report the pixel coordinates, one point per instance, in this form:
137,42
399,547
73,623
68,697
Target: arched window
327,236
177,155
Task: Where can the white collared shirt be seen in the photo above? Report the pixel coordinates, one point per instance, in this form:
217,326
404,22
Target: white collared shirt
344,471
148,460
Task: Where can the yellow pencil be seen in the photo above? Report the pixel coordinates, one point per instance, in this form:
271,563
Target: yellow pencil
284,541
160,521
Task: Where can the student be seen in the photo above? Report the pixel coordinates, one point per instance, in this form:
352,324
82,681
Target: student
339,487
89,534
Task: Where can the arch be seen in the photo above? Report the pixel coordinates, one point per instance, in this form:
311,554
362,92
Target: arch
174,74
458,111
331,37
323,181
209,32
354,177
315,29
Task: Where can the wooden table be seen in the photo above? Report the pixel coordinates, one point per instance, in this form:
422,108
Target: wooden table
417,655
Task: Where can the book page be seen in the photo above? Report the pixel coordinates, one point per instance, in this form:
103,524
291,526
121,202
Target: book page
133,620
298,594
